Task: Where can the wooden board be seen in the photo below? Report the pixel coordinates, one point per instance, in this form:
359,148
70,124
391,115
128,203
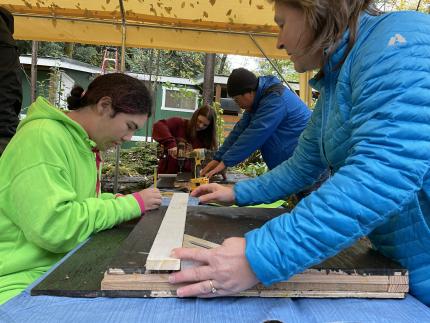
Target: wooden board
170,235
355,272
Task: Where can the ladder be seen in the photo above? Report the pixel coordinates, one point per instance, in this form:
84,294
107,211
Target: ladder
110,55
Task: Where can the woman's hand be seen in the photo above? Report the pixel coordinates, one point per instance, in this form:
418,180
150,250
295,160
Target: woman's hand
215,193
173,152
222,271
151,197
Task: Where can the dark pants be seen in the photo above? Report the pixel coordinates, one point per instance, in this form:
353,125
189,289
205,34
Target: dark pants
3,144
10,91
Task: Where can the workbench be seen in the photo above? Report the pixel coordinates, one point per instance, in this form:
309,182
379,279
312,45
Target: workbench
26,308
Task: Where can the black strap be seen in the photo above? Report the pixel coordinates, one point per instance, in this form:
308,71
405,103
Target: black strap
275,88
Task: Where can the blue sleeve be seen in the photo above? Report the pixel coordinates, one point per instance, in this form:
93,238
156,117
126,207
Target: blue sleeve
294,174
270,113
239,127
389,158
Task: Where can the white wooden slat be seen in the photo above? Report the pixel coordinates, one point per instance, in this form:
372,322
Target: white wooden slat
169,236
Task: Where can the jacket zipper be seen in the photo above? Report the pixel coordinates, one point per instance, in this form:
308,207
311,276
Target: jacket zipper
325,112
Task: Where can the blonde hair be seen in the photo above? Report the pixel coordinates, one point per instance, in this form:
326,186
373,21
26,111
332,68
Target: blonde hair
329,19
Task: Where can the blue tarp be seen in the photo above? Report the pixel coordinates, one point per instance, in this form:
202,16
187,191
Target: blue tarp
50,309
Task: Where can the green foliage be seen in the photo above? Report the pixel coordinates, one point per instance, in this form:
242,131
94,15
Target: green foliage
284,66
139,160
48,88
397,5
88,54
219,122
51,49
138,60
253,166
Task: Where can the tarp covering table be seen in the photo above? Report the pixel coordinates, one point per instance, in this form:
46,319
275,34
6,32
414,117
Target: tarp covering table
47,309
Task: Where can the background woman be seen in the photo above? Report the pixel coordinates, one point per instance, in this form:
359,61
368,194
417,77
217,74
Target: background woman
198,132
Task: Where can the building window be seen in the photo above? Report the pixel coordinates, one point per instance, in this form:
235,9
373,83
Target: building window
180,99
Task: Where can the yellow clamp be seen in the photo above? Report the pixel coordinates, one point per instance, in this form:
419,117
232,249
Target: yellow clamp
196,182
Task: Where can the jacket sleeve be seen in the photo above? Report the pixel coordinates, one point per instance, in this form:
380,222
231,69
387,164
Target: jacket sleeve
164,131
238,128
262,124
294,174
388,160
45,206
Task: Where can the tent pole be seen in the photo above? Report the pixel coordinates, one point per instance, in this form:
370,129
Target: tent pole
118,148
271,63
34,70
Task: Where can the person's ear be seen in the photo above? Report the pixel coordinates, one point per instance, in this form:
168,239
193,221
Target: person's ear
104,106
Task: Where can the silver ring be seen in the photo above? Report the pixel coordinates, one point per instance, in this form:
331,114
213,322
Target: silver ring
213,289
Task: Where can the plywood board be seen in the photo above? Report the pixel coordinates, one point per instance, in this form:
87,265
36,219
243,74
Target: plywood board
124,249
170,235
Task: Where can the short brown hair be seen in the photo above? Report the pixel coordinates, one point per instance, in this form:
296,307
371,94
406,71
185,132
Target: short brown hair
329,19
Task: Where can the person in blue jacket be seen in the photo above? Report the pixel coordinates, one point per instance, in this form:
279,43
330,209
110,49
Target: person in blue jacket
371,127
273,120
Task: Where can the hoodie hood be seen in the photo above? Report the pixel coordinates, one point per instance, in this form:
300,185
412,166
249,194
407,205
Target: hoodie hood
41,109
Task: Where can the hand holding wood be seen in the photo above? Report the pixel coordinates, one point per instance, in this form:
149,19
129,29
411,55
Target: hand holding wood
151,197
223,271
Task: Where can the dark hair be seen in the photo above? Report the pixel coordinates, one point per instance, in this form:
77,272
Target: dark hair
129,95
207,136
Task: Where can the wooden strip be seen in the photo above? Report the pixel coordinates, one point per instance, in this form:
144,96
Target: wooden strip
297,279
169,236
328,294
159,283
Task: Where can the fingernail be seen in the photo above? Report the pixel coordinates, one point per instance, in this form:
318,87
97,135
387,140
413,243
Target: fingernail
171,279
173,254
179,292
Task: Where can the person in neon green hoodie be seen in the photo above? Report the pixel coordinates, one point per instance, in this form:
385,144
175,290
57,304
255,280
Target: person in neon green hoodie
50,198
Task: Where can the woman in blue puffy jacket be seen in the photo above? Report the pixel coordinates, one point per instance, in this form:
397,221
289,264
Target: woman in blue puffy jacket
371,127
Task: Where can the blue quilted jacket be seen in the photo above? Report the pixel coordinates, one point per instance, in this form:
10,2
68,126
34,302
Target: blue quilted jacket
274,126
371,126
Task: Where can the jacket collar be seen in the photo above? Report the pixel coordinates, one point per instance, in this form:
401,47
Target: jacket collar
337,56
263,83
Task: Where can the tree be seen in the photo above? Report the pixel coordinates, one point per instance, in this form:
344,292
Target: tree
395,5
286,68
138,60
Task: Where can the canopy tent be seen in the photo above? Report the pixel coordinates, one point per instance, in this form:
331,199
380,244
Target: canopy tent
240,27
214,26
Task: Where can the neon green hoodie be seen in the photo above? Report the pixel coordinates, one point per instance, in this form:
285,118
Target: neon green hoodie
48,202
